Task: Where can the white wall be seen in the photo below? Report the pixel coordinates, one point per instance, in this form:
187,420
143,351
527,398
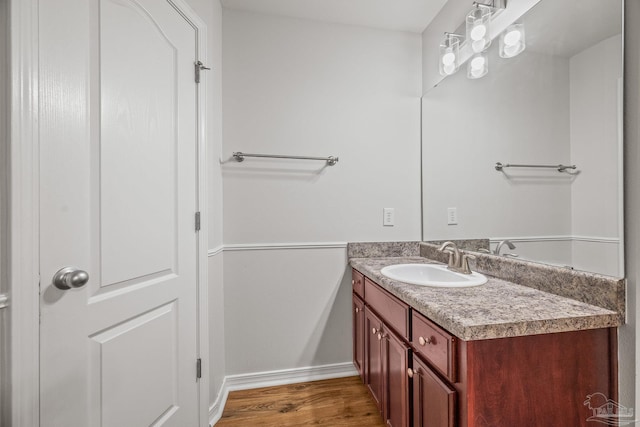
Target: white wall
4,217
595,107
629,334
469,125
286,308
301,87
217,355
210,11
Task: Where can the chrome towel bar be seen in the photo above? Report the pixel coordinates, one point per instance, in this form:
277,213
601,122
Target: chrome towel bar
561,168
239,156
4,300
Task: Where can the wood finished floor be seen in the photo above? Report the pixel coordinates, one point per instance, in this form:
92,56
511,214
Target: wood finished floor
338,402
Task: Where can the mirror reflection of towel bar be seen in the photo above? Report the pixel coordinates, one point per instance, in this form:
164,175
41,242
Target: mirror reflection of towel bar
560,168
239,156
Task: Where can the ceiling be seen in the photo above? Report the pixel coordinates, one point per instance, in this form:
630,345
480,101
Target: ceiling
398,15
555,27
564,28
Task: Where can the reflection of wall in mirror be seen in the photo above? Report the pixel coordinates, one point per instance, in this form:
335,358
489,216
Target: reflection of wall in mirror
536,109
594,132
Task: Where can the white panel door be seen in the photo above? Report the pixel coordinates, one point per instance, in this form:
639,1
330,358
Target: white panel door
118,196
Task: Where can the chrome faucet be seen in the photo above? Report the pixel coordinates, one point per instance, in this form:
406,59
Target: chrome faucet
458,260
509,244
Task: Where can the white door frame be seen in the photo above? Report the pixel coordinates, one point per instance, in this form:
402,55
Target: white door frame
24,215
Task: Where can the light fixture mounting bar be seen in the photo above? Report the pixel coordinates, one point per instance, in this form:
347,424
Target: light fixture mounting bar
493,4
448,36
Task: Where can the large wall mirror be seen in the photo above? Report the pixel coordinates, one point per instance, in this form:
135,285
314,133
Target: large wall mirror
557,102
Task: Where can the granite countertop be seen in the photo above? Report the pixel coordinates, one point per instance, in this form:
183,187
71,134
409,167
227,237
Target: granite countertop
496,309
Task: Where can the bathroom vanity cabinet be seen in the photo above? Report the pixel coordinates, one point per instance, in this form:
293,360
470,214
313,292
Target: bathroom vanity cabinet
419,374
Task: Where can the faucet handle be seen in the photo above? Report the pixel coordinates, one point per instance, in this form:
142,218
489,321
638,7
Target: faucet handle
464,263
511,255
451,255
484,251
466,257
454,254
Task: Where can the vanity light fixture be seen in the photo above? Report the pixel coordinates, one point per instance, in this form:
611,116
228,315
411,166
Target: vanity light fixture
449,54
478,66
478,24
512,41
455,50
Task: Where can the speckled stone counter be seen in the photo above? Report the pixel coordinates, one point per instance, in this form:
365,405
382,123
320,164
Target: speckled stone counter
383,249
590,288
496,309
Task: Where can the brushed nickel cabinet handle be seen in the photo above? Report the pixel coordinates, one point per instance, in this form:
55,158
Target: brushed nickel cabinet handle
424,341
413,372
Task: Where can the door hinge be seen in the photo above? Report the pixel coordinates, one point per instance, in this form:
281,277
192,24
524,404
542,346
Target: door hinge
4,300
198,368
199,66
197,221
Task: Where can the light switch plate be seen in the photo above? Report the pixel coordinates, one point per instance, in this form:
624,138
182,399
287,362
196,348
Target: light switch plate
388,217
452,216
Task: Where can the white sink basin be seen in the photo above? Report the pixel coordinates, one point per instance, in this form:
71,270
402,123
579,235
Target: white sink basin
432,275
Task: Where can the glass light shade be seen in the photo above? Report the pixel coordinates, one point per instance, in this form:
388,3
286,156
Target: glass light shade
449,55
478,66
478,25
512,41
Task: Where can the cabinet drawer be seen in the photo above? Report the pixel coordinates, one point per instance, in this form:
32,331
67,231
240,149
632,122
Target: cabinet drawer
357,281
394,312
435,344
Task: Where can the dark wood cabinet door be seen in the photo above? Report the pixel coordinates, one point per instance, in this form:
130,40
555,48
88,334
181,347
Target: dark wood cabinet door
434,400
373,357
358,335
396,393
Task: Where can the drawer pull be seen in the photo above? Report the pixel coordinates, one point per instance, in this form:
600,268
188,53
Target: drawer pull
374,331
413,372
429,340
357,310
353,282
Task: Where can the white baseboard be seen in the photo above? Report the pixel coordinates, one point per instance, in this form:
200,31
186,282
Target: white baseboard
216,409
274,378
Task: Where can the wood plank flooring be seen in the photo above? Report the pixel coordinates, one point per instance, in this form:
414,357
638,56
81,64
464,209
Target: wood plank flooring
341,402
